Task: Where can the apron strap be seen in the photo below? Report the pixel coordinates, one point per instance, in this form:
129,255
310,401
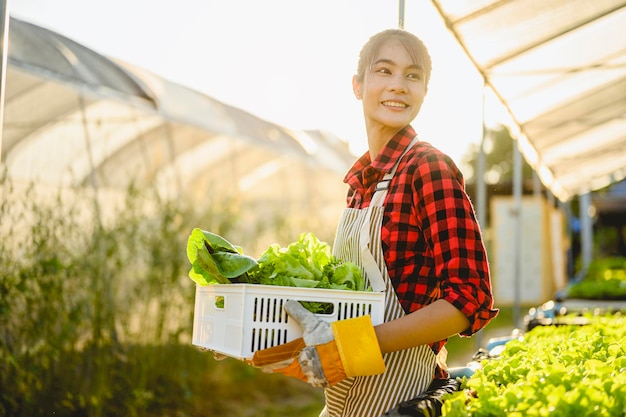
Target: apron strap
370,265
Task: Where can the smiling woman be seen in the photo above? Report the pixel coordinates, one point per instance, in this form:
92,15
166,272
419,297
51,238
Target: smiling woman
407,214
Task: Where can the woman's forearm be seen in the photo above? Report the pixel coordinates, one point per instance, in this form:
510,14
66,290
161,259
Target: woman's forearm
434,322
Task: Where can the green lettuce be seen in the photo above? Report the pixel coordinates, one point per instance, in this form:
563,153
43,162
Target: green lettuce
214,260
306,263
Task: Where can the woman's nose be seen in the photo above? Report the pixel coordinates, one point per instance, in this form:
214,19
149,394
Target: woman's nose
398,84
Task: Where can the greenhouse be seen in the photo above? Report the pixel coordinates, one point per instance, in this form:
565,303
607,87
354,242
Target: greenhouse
108,170
111,125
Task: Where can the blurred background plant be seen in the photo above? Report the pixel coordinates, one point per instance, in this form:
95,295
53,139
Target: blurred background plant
96,309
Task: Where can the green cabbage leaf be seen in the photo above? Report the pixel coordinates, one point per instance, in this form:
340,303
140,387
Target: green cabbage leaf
214,260
306,263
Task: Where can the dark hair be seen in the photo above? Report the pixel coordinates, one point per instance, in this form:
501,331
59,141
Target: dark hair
413,45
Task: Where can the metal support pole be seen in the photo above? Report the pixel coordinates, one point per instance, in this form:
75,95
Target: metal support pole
4,45
536,184
586,233
481,189
401,14
517,252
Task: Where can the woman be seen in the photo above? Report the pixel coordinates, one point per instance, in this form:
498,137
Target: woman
412,228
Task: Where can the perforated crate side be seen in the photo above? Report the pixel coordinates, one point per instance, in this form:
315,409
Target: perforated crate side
253,317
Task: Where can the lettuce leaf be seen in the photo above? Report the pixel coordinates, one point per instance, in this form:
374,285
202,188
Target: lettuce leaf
348,275
214,260
306,263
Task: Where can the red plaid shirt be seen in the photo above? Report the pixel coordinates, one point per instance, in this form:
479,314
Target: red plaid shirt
430,236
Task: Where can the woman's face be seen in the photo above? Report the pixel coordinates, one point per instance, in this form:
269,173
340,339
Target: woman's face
392,90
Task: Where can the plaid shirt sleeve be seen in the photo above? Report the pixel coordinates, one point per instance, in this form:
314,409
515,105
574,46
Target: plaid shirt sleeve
431,240
452,238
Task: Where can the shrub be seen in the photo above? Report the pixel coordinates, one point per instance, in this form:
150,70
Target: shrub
96,311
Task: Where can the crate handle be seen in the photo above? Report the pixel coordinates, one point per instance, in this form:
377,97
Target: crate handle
322,308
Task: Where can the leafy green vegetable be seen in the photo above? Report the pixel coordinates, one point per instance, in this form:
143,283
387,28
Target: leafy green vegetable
605,280
606,268
554,371
306,263
309,263
214,260
609,289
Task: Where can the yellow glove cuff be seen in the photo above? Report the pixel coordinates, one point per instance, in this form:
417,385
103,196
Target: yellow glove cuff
358,346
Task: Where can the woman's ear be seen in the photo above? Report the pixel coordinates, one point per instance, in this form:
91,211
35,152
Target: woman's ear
356,87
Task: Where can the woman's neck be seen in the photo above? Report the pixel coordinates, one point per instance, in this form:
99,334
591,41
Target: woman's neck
377,139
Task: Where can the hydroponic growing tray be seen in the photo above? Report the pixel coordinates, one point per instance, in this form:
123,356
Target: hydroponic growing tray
238,319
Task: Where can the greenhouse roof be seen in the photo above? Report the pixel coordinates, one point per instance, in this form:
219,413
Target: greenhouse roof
73,117
559,68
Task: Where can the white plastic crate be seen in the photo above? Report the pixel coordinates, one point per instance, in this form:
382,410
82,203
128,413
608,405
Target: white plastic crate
238,319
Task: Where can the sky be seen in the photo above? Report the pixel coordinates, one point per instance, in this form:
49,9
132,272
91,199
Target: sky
287,61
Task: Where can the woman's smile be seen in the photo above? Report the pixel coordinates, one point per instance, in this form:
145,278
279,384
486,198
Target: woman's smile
395,104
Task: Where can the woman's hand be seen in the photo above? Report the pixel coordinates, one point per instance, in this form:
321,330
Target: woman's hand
326,353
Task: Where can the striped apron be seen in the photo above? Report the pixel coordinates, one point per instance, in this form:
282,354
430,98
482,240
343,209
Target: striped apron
408,372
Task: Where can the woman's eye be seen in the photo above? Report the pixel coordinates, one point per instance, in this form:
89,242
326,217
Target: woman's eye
415,76
383,71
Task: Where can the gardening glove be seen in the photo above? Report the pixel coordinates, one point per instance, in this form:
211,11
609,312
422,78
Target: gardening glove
326,353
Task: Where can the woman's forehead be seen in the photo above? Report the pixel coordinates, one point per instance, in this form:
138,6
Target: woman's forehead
393,47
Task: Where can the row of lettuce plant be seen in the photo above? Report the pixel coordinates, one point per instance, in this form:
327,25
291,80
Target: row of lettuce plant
562,371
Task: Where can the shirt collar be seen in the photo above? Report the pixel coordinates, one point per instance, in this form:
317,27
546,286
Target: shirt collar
393,150
385,160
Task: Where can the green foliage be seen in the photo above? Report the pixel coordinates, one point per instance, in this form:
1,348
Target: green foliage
307,262
555,371
96,312
607,268
609,289
605,280
214,260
